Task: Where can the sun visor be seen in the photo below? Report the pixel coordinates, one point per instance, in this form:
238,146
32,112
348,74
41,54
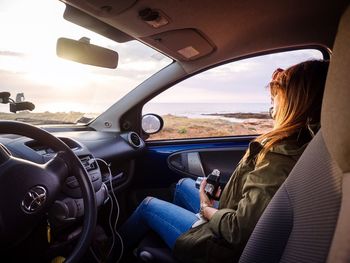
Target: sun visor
85,20
103,8
182,44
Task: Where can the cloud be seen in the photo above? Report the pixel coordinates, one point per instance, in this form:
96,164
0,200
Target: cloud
11,53
93,96
238,82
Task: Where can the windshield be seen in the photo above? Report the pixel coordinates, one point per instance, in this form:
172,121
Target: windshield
62,91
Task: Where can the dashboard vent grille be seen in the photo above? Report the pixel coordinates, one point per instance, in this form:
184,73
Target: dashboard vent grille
88,162
134,139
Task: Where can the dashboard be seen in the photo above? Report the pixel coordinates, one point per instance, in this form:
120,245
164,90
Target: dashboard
96,151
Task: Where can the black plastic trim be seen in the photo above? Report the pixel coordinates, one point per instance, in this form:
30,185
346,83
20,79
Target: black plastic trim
201,140
173,168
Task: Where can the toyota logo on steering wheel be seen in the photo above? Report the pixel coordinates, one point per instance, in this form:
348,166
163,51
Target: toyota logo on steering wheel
34,199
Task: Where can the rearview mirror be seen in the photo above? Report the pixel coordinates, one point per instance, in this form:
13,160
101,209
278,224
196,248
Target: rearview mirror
83,52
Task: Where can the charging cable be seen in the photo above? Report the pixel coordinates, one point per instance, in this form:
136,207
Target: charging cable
113,198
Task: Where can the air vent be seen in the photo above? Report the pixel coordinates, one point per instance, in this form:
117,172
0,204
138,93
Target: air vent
134,139
88,162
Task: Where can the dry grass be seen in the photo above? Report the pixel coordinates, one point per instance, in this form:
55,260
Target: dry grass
174,127
43,117
182,127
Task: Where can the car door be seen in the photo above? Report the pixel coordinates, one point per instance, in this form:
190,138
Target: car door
208,121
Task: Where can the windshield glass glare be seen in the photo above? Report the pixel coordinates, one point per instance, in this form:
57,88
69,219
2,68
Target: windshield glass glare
62,91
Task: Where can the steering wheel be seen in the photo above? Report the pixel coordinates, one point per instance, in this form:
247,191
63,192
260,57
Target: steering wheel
27,189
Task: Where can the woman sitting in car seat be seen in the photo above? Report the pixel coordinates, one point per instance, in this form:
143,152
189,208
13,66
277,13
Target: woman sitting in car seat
296,94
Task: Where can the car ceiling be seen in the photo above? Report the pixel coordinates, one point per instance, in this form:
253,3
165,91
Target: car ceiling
219,30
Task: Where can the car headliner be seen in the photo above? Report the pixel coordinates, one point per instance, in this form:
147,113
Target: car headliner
233,28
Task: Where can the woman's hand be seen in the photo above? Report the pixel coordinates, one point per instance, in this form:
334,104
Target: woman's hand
206,203
204,199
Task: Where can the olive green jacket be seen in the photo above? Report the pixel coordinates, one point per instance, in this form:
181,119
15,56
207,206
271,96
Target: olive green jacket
245,197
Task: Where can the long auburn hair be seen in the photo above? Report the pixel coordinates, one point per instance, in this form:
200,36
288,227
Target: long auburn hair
300,91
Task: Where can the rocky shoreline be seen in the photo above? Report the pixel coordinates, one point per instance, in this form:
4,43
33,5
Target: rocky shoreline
176,127
241,115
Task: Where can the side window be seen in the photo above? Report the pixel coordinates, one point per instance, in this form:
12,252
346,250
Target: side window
228,100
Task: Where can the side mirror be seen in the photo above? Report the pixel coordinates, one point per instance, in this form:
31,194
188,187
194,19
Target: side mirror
83,52
151,123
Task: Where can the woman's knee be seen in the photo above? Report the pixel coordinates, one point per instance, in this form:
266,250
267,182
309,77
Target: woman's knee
146,201
151,204
185,183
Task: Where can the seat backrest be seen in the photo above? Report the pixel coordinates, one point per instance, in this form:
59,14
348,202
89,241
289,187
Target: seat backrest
336,126
299,223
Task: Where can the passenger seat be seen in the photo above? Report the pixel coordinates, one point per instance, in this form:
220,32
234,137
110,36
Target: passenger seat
308,218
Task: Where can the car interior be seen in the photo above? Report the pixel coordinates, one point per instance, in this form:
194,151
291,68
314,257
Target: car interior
66,188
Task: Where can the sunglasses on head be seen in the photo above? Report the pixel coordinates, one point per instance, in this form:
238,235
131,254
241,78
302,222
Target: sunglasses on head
276,73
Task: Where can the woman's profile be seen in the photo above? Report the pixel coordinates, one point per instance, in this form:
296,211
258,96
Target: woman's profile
221,231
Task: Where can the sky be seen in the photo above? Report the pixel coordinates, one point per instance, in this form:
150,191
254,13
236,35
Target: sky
28,63
242,81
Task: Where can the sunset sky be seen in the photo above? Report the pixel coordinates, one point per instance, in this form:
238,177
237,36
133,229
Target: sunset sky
28,63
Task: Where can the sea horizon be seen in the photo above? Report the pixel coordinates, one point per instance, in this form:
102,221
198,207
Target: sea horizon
201,110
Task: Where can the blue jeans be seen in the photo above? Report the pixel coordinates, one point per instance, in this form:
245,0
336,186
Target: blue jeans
168,220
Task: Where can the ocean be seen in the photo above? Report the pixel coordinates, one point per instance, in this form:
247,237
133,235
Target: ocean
198,110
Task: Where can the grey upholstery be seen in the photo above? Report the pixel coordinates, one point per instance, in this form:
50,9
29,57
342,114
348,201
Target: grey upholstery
340,250
335,120
336,125
299,223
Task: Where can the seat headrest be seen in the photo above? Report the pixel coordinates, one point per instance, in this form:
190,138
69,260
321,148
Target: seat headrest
335,117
